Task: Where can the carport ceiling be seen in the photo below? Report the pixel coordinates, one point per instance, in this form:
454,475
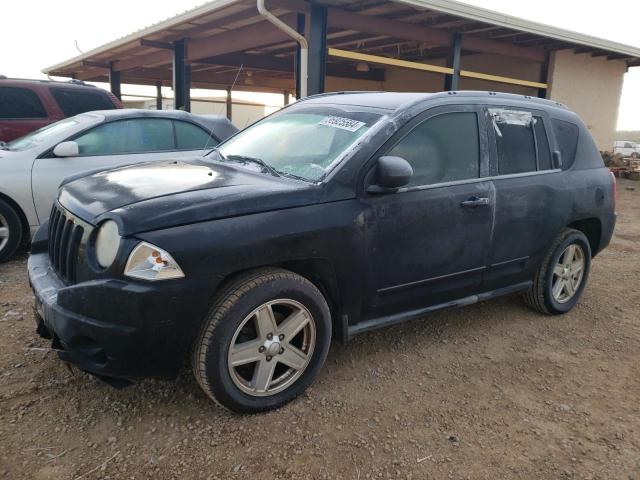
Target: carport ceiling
223,35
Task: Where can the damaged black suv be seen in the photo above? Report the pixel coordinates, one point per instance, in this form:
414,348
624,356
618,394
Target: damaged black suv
338,214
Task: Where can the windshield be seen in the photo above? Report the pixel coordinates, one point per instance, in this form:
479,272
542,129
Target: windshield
43,134
304,143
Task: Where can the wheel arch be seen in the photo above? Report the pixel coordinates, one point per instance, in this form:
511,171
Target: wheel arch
26,232
592,229
318,271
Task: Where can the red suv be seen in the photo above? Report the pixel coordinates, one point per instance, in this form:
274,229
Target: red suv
26,105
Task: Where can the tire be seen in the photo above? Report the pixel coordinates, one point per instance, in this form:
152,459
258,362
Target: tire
541,296
270,297
11,231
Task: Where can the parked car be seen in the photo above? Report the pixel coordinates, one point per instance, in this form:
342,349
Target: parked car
27,105
626,148
32,167
336,215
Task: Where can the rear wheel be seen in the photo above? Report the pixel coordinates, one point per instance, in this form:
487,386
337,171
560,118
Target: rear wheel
561,278
264,342
11,232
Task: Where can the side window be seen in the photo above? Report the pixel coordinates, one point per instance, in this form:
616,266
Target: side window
542,145
79,100
515,141
191,137
567,138
128,136
442,149
18,102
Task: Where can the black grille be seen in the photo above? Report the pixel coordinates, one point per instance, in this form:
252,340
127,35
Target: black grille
64,241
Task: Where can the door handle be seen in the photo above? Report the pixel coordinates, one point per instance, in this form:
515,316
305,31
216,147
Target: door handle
476,202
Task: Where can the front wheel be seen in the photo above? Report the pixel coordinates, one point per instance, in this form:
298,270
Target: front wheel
10,231
265,340
561,278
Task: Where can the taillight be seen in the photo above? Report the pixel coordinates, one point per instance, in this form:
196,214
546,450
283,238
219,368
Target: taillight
615,190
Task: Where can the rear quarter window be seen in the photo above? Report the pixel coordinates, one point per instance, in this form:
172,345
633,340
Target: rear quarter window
567,137
73,101
16,102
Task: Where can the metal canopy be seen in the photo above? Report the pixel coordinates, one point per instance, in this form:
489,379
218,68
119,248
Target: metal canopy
227,41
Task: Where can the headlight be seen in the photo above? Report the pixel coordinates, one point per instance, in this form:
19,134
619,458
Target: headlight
107,243
151,263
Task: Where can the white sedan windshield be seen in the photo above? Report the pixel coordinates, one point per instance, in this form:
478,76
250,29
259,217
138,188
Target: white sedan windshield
45,133
302,142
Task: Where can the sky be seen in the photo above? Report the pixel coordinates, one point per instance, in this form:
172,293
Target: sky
38,34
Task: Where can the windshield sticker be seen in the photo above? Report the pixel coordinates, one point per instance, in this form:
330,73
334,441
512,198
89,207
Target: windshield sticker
342,123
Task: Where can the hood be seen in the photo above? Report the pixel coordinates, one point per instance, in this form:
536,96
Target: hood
157,195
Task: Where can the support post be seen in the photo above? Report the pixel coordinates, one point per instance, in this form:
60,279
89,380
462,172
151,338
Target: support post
544,75
287,100
114,82
187,88
229,104
158,95
452,81
300,25
179,74
317,49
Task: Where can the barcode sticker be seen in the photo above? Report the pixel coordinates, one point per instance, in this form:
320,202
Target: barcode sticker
342,123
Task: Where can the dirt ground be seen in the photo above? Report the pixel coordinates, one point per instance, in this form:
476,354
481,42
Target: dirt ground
490,391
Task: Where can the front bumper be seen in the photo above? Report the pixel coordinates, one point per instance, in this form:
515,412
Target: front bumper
115,328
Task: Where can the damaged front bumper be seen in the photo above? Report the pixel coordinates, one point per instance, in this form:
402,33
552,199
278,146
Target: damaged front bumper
109,327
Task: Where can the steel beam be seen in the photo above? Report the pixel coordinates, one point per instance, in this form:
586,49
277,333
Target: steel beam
317,49
179,71
342,19
452,81
114,82
544,76
158,95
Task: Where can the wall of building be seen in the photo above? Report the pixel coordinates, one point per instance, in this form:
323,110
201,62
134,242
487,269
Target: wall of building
242,114
590,86
408,80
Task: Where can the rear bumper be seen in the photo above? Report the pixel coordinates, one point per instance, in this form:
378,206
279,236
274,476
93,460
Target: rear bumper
113,328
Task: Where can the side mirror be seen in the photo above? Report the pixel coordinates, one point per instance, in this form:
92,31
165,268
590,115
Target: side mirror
556,158
66,149
391,174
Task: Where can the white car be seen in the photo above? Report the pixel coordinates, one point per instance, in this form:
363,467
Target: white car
627,148
32,167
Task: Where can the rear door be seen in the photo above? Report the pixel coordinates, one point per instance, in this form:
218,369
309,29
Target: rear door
21,111
108,145
428,243
530,194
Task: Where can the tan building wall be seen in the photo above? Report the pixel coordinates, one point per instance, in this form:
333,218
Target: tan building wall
591,87
407,80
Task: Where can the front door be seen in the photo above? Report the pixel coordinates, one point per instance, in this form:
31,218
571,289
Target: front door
428,243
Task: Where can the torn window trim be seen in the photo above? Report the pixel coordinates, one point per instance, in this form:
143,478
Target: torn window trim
510,117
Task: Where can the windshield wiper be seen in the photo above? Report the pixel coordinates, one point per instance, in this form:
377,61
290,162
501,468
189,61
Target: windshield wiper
245,159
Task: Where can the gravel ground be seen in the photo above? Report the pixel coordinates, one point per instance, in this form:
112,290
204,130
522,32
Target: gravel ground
490,391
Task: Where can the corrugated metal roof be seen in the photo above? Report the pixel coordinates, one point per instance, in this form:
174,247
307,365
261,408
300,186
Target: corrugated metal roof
479,14
184,22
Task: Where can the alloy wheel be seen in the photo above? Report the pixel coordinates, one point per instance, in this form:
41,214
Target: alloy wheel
568,273
4,232
272,347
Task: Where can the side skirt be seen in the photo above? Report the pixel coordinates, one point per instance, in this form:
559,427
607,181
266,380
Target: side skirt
388,320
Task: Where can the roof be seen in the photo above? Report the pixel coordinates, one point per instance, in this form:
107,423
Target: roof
229,41
395,101
383,100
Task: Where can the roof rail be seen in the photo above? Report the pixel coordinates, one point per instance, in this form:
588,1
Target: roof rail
512,96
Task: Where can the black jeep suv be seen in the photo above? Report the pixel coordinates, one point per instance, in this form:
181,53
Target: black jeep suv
338,214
